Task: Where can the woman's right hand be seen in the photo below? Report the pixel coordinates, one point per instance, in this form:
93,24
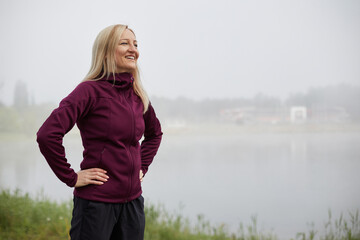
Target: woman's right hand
96,176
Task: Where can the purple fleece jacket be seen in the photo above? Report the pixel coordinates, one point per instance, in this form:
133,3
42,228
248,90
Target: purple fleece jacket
111,122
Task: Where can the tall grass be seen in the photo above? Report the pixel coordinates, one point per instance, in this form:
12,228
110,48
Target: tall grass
338,229
161,225
23,217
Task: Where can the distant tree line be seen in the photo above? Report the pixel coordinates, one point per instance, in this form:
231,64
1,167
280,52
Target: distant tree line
26,117
342,96
23,116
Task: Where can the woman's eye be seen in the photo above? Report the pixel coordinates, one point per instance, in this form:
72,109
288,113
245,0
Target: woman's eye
136,45
123,43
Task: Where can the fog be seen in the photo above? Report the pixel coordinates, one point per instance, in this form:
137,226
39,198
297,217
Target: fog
197,49
259,102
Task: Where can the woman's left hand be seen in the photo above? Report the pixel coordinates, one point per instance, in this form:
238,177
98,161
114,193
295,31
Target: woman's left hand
141,175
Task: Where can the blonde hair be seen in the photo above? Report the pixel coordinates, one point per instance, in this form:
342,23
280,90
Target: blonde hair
103,59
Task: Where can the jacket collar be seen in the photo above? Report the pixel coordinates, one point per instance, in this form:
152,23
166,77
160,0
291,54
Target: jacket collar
119,80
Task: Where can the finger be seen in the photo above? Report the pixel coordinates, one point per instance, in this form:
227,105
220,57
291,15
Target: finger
94,172
96,182
96,175
98,170
104,179
102,175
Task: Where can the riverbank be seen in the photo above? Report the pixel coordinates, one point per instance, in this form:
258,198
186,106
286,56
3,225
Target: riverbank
214,128
227,128
23,217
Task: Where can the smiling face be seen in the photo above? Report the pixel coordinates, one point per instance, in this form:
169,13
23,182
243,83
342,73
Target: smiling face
126,52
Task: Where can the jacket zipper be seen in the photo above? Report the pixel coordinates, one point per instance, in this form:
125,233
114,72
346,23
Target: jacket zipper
130,141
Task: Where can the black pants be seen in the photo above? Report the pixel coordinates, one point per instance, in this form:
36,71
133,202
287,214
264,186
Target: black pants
108,221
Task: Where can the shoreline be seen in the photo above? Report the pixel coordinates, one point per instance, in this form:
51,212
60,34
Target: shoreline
220,128
232,128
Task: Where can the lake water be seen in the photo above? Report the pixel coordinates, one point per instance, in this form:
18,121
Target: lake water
288,180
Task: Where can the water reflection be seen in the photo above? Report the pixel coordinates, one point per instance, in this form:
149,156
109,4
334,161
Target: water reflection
286,179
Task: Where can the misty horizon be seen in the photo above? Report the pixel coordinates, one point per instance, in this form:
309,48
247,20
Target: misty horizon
198,50
7,98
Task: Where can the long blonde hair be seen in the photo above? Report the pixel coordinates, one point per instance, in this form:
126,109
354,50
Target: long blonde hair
103,59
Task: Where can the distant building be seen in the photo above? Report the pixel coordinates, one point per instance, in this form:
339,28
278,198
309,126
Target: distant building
330,114
251,115
238,115
284,115
298,114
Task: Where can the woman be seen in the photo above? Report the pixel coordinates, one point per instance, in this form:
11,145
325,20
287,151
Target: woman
112,111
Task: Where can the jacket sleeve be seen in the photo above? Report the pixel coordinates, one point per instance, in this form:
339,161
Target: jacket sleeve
51,133
152,139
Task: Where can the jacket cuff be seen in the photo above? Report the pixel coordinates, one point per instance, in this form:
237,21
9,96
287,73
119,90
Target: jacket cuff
73,181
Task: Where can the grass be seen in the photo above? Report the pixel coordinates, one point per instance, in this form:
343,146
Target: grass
338,229
23,217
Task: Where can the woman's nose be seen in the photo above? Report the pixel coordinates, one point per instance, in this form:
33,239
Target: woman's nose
132,48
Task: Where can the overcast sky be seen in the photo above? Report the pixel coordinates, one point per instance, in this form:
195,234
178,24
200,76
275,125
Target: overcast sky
197,49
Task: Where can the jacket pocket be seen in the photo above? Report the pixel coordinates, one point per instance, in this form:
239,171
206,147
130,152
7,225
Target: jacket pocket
92,159
102,158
